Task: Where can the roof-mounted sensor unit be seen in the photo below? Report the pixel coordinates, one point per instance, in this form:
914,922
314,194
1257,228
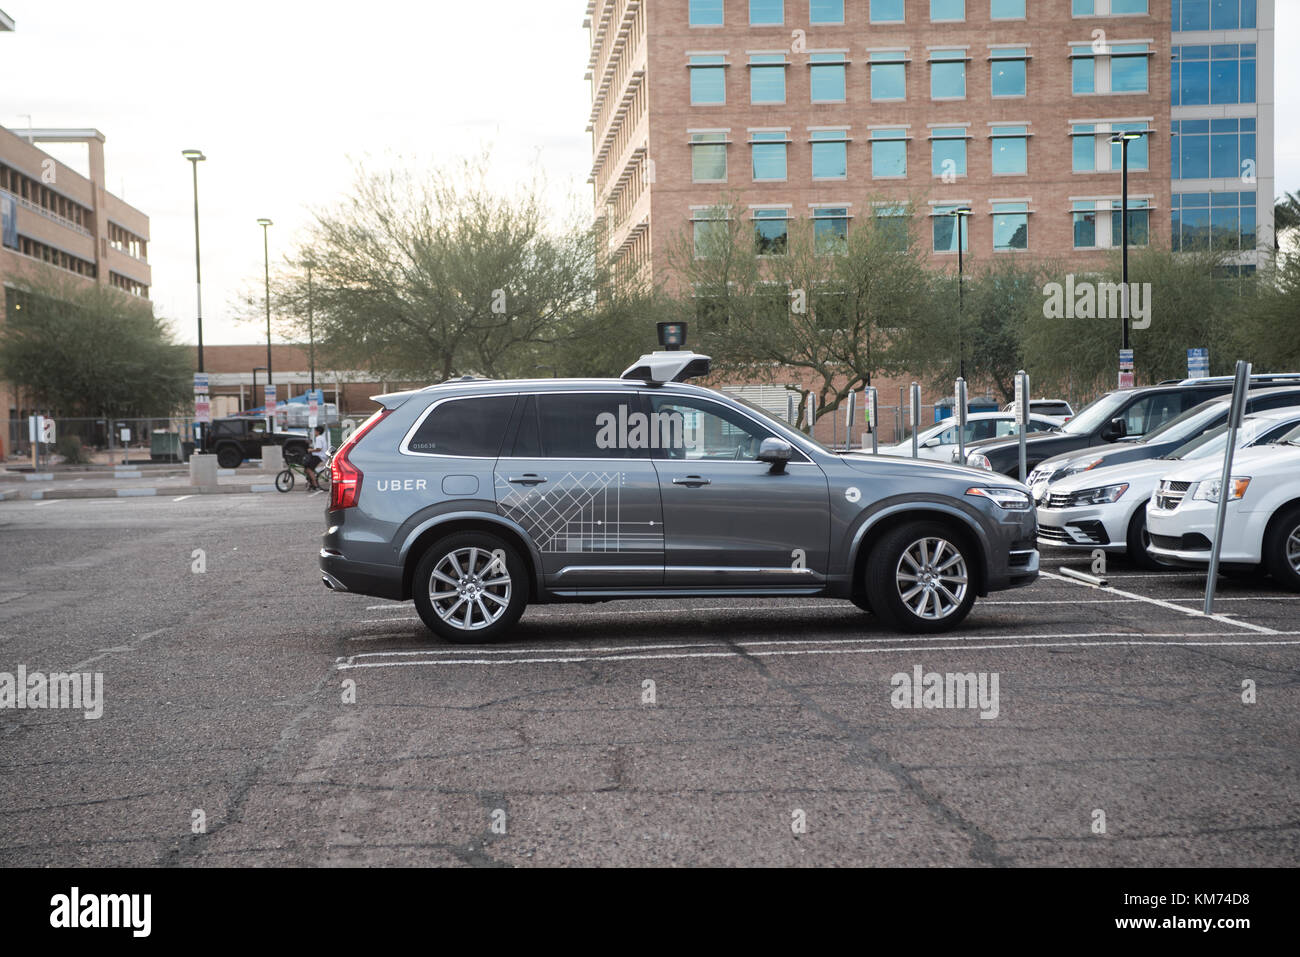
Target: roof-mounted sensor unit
657,368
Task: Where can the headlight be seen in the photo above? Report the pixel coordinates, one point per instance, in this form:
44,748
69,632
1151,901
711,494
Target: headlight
979,460
1009,498
1097,496
1209,491
1076,466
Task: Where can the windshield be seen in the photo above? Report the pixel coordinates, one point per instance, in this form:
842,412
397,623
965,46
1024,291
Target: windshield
1291,438
1095,413
768,419
1185,426
1213,442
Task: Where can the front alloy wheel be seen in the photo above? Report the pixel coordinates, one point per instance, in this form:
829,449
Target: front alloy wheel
470,587
1282,549
918,578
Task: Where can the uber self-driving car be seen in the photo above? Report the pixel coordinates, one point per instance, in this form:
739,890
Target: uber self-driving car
477,497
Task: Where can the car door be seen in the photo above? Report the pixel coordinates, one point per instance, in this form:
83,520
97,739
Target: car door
729,520
579,479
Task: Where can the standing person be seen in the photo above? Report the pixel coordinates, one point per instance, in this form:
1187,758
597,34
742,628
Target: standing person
320,451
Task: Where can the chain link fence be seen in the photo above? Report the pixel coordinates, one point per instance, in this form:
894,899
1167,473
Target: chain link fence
85,441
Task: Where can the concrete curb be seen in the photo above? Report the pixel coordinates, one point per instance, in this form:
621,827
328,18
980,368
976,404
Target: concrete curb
48,494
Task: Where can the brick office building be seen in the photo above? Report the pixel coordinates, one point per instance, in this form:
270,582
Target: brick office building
838,109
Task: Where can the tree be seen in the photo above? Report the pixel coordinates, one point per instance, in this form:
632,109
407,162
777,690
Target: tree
87,350
433,275
1269,334
1286,216
822,302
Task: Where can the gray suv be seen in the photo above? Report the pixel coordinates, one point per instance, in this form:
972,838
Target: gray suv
476,497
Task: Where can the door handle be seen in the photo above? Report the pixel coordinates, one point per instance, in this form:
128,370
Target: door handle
692,481
529,479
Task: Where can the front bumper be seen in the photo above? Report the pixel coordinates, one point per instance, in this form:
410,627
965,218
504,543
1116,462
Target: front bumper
1013,555
1186,533
1084,527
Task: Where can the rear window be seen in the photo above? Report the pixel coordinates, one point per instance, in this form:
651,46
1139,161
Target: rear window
471,427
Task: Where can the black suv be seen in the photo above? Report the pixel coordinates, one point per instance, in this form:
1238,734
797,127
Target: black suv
235,439
1115,416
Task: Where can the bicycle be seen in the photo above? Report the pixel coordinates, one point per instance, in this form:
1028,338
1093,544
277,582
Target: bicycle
285,481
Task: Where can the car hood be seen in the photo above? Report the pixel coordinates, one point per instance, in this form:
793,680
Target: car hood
1267,459
865,461
1112,453
1134,473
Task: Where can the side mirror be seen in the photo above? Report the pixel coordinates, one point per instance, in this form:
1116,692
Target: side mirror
1115,429
776,452
931,443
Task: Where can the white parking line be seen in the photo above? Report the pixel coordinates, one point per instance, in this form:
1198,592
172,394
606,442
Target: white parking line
908,645
50,501
181,498
1167,604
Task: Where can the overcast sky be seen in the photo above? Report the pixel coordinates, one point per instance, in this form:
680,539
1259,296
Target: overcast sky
284,95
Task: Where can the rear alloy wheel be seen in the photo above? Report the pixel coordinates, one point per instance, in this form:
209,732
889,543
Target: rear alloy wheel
1282,549
1139,543
229,457
919,578
470,588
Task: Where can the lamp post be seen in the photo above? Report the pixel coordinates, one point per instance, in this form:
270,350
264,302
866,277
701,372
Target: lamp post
266,265
960,214
196,157
1123,140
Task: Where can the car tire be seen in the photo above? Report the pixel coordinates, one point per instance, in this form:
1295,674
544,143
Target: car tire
284,481
919,578
1138,543
860,599
229,457
1282,548
458,576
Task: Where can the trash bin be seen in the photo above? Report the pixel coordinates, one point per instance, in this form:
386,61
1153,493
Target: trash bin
164,446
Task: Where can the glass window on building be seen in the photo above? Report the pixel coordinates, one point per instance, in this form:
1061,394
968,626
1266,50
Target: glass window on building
1006,9
944,229
1092,8
1214,14
830,228
771,231
892,223
948,151
1139,150
1223,73
889,75
1128,68
947,74
1083,139
1010,226
1010,150
1007,65
1085,225
709,157
706,13
710,232
830,154
888,153
826,77
769,151
886,11
947,10
767,78
1221,221
1139,223
826,11
708,80
1222,149
766,13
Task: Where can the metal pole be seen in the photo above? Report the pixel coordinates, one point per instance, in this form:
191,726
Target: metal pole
1240,384
959,394
916,417
266,265
1123,232
195,157
873,419
961,344
311,335
1022,415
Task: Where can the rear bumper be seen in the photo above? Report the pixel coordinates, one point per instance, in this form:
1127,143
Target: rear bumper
339,574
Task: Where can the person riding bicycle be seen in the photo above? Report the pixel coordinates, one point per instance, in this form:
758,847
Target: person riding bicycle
320,451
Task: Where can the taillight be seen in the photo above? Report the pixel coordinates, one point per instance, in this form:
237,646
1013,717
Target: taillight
345,478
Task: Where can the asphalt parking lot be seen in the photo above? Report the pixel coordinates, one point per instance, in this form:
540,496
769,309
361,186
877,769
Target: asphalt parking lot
769,734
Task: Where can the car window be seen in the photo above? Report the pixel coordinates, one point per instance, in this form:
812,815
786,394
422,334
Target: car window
982,429
703,430
583,425
1152,411
258,426
471,427
1282,400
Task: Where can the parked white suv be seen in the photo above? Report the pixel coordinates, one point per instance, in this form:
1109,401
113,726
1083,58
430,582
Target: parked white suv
1105,507
1263,519
939,442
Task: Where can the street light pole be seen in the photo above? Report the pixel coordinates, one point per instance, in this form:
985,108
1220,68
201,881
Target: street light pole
960,214
196,157
266,265
311,335
1123,140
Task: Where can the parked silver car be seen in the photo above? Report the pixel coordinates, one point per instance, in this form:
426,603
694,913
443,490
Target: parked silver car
477,497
